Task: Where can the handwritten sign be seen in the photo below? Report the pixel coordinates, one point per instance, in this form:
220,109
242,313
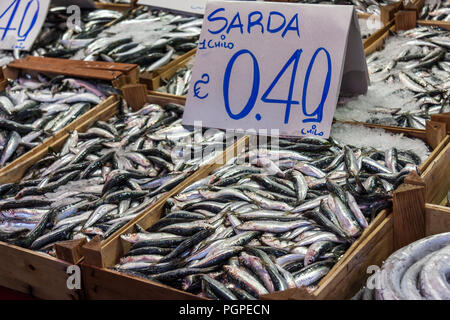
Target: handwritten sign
275,66
21,22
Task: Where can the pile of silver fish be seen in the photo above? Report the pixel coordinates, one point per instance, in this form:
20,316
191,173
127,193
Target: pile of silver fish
148,38
418,271
101,179
31,110
272,219
436,10
422,68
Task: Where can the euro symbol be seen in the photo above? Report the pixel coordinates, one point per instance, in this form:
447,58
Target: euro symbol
197,86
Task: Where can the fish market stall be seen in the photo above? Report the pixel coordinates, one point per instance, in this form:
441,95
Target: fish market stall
99,171
133,257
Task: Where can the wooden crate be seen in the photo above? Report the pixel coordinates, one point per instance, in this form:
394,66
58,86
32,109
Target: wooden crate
419,209
439,125
117,74
419,204
103,283
348,276
381,240
345,278
35,273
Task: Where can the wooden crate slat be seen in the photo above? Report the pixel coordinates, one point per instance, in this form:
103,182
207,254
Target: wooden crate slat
442,117
34,273
102,284
113,6
164,96
409,214
437,219
112,66
442,24
376,35
415,133
75,68
437,174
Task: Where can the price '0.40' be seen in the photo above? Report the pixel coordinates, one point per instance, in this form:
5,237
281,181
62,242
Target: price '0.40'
315,116
31,10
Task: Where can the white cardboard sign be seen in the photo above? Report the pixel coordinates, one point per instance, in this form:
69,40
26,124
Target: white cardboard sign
20,22
275,66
